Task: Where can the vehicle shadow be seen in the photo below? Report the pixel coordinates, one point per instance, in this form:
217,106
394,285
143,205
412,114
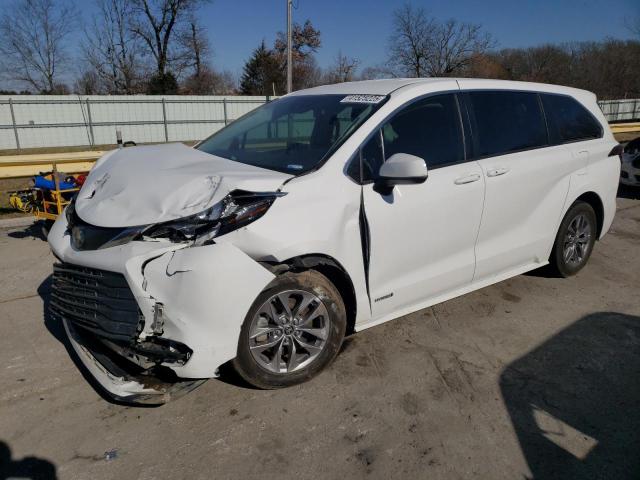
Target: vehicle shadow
35,230
33,468
548,271
574,401
626,191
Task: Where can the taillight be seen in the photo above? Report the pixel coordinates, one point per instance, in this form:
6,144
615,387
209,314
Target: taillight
617,151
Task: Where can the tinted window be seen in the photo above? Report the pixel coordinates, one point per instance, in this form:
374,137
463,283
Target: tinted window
507,122
429,128
568,120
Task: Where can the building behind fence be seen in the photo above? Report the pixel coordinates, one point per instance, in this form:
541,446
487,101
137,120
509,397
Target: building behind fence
33,121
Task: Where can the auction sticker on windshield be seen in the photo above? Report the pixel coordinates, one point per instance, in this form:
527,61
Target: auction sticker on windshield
362,99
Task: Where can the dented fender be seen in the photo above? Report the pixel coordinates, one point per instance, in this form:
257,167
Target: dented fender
206,293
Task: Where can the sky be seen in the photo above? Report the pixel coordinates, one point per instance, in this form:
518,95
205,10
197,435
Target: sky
360,28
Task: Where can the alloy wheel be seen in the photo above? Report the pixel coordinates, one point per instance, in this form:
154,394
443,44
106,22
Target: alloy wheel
577,240
289,331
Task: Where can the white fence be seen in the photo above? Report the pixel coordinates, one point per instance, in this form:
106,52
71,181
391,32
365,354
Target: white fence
621,110
30,121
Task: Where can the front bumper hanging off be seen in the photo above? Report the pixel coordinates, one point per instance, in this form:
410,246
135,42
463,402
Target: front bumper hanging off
122,385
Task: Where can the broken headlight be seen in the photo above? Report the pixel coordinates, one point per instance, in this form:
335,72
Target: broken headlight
236,210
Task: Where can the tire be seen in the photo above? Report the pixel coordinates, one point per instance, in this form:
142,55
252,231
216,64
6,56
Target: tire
580,219
304,339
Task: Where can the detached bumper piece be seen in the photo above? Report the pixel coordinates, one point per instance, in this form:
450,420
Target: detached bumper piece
124,381
103,321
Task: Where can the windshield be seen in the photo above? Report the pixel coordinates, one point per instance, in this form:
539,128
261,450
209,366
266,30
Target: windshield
293,134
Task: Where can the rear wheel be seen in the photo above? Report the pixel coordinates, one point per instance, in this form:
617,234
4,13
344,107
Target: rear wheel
293,330
575,240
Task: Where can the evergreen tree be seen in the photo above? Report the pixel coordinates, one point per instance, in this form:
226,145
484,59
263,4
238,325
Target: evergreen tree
162,84
262,74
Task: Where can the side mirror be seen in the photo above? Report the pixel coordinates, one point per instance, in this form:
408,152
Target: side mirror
400,169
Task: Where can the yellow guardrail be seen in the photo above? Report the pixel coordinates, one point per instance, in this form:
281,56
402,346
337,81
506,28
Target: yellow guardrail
14,166
629,127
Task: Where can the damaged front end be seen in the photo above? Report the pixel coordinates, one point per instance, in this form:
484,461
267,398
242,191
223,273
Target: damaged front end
152,310
103,322
151,319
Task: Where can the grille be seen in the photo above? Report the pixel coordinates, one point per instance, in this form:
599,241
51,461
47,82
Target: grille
85,236
95,300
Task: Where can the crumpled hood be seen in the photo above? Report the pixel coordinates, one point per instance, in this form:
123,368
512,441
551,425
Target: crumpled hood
143,185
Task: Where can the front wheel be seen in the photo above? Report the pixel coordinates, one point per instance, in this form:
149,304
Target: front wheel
293,330
575,240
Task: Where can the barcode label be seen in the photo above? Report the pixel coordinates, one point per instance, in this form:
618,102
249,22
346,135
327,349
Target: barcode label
362,99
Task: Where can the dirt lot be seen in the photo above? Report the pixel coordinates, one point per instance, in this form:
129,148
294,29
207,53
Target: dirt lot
535,377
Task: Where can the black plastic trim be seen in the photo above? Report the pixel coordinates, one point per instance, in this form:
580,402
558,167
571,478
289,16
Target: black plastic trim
365,239
98,301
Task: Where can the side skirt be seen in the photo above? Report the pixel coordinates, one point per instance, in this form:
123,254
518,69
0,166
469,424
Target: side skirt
452,294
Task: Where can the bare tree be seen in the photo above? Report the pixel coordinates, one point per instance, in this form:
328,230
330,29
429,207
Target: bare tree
601,67
195,48
409,43
423,46
633,25
342,70
88,83
305,43
546,63
453,46
33,42
194,54
156,22
210,82
377,72
112,50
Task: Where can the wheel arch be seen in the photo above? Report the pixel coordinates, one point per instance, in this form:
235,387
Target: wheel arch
330,268
593,199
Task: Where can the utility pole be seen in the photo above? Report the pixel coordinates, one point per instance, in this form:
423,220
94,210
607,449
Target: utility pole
289,55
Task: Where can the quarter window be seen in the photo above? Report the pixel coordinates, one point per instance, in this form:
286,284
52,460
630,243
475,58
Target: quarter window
568,120
507,122
371,158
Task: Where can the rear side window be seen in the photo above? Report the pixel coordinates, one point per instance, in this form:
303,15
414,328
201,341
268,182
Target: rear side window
568,120
507,122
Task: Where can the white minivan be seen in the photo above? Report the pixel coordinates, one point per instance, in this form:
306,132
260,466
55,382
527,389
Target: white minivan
324,212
